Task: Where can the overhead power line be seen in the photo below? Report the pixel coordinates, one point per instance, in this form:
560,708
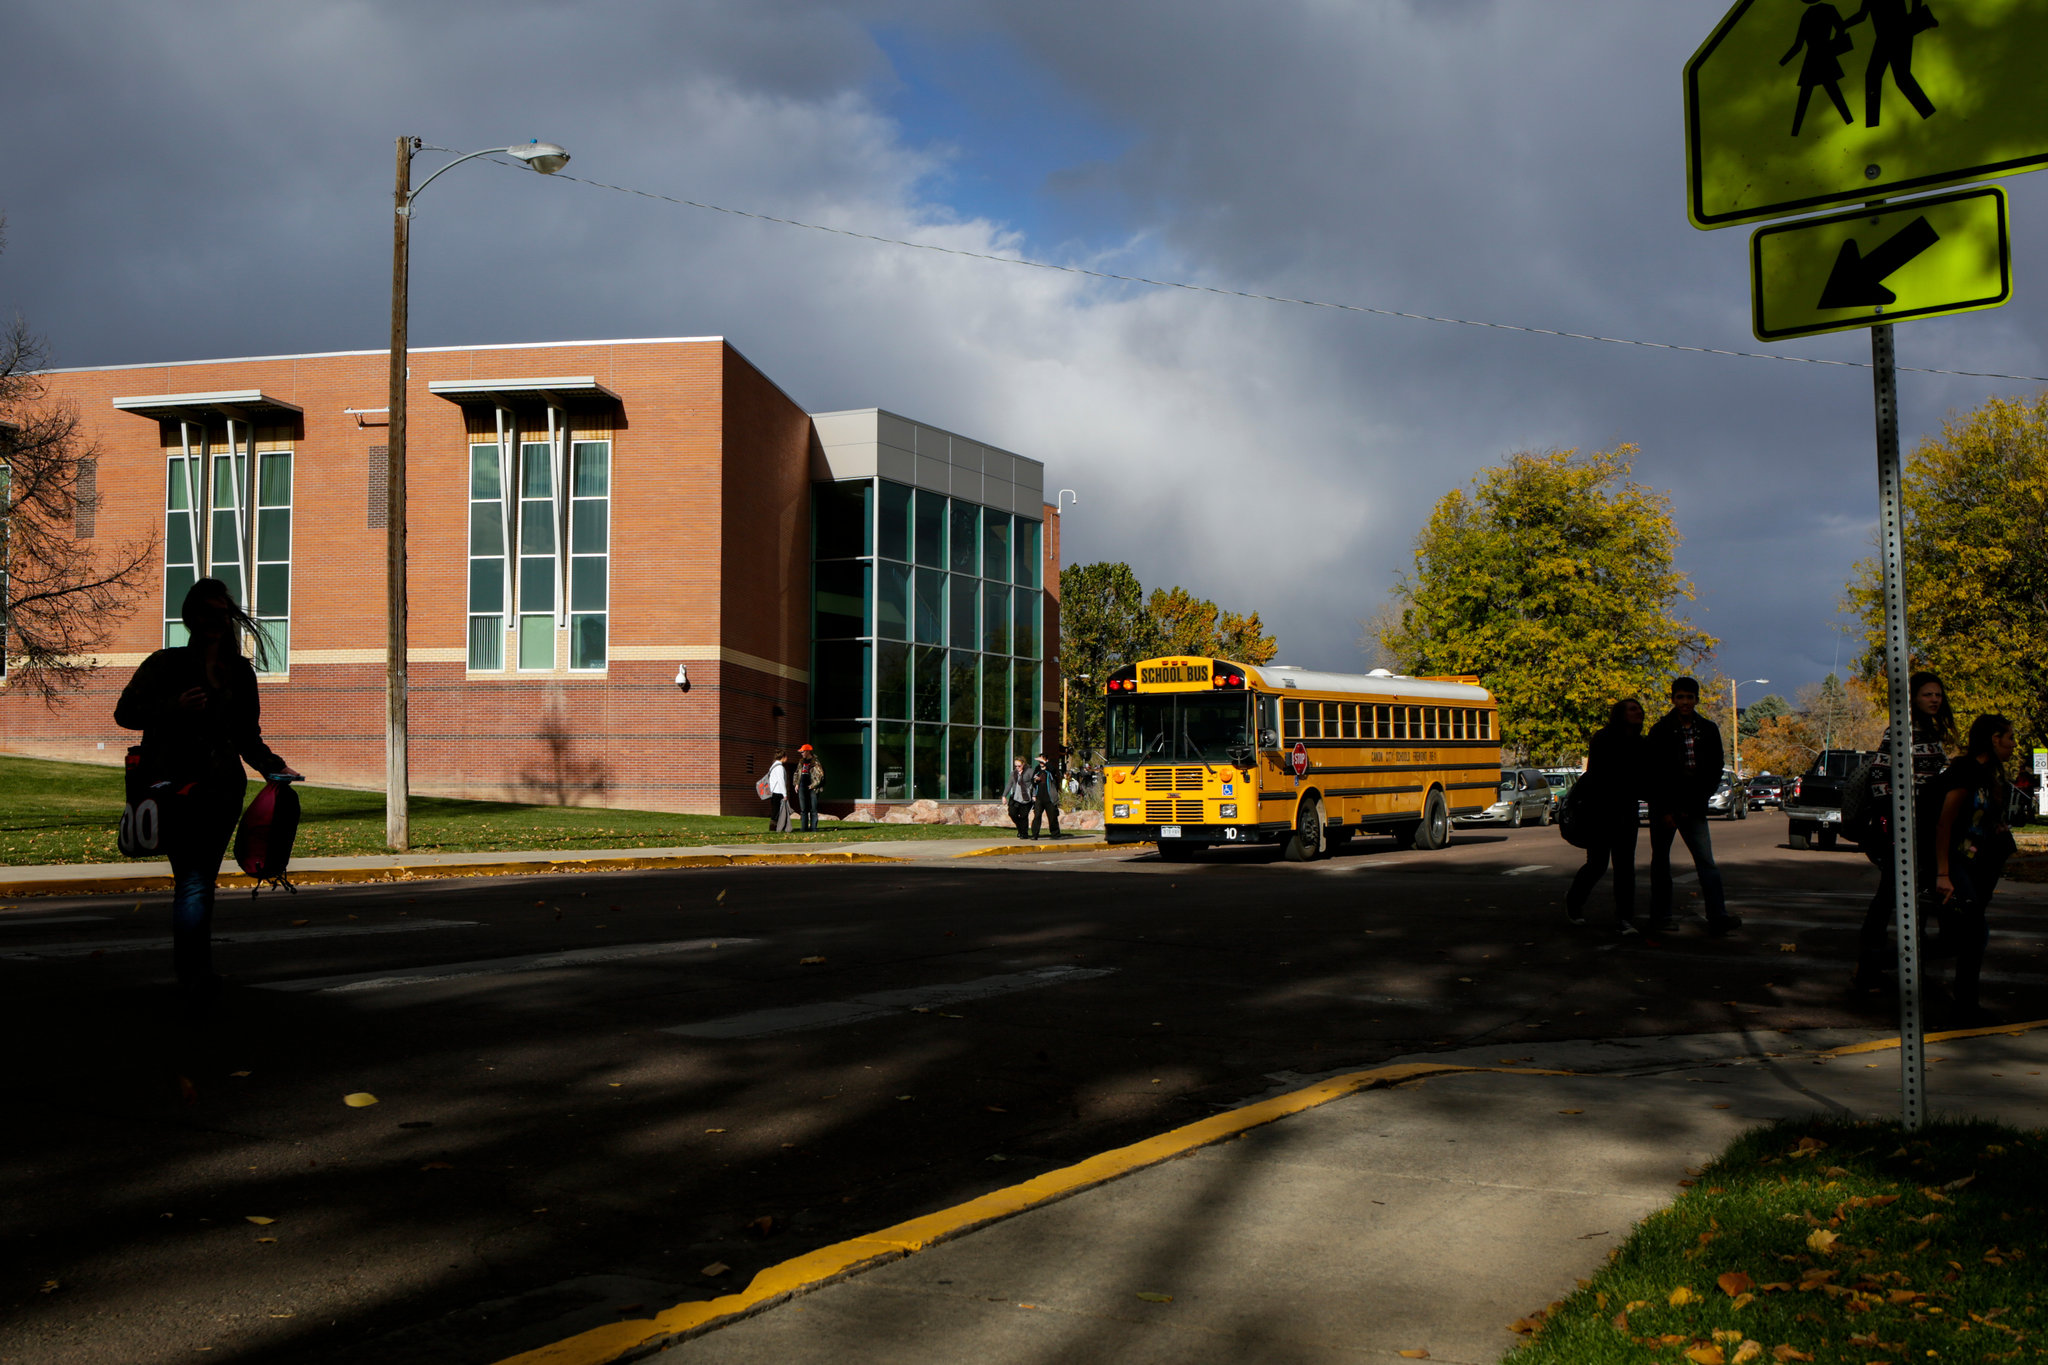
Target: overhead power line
1278,298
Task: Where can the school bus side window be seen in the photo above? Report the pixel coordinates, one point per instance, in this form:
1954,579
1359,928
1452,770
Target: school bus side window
1292,710
1486,725
1350,720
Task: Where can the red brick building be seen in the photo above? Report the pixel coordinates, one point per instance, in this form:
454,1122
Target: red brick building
591,526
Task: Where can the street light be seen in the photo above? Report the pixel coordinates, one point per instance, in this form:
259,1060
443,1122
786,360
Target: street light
547,158
1735,717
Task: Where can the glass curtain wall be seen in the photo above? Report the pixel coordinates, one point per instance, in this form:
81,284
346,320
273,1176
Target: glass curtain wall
927,659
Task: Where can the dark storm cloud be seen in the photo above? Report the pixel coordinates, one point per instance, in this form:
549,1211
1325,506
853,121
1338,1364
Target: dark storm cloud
214,179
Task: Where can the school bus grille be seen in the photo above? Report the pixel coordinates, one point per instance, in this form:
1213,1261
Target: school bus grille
1173,812
1173,779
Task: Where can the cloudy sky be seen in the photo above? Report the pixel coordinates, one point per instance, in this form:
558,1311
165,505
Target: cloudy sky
212,179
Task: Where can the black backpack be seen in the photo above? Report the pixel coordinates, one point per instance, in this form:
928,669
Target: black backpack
1575,815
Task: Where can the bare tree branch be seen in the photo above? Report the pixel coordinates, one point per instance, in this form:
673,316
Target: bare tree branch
64,598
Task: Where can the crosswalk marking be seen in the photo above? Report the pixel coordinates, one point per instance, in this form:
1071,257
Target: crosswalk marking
878,1004
501,966
87,947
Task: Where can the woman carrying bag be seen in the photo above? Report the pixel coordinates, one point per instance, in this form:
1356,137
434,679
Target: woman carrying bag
1613,783
197,707
1971,806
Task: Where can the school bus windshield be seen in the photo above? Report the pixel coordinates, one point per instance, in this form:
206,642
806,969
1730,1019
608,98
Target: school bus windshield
1177,728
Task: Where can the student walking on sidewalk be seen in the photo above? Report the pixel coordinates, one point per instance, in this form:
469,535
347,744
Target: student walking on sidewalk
778,794
1612,784
1972,840
1682,769
1934,734
1018,796
1045,798
810,786
197,707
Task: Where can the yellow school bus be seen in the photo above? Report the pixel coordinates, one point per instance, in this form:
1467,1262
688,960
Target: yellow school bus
1205,752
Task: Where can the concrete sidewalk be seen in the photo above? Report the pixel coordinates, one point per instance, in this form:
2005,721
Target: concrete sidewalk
86,879
1423,1216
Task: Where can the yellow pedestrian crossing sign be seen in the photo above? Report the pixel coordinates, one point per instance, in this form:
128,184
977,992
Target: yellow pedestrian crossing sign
1946,253
1797,105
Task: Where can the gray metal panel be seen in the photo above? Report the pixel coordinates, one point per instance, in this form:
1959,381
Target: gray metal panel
852,461
998,493
1029,474
967,483
968,455
845,428
934,473
892,463
893,430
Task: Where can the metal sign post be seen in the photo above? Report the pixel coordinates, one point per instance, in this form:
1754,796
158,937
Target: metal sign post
1898,665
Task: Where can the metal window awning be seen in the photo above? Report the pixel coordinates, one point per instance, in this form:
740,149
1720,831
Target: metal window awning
241,404
556,389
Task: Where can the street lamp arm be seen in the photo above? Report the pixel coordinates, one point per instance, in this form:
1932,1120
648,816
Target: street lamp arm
544,157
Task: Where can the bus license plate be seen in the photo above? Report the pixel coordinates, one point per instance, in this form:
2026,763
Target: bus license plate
1169,831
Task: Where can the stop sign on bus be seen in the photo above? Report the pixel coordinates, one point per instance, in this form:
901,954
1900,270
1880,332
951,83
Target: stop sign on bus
1300,758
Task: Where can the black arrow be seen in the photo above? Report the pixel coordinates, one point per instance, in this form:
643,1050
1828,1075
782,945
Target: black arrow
1857,281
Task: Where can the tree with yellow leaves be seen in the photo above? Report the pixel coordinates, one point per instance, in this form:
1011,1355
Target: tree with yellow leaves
1976,538
1552,580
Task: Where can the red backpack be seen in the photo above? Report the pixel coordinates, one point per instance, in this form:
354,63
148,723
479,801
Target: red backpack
263,842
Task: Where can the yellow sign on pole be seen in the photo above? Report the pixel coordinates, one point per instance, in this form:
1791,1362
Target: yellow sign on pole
1796,105
1947,253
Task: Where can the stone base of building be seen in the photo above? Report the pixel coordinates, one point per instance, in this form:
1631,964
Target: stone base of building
990,813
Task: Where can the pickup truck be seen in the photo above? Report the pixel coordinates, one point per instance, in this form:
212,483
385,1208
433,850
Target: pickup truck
1812,802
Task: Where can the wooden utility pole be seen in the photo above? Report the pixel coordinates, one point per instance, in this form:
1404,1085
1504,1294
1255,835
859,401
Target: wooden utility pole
397,812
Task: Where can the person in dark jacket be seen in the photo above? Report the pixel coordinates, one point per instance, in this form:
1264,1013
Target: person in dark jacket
1682,758
1018,797
1934,734
1612,784
1045,798
1972,812
197,707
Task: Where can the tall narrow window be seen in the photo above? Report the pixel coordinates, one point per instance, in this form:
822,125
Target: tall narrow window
272,556
225,529
486,559
590,506
536,556
182,540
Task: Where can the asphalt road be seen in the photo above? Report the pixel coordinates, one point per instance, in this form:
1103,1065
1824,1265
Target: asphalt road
591,1088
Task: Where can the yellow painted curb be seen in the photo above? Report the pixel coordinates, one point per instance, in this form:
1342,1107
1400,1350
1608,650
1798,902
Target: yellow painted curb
100,886
813,1270
1002,849
1888,1044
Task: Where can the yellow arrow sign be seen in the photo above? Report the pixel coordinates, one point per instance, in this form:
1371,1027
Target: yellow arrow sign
1947,253
1793,105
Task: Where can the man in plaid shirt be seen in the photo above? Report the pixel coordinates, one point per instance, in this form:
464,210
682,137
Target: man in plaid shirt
1682,760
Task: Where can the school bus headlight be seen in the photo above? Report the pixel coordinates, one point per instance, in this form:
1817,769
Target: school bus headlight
1121,812
1227,811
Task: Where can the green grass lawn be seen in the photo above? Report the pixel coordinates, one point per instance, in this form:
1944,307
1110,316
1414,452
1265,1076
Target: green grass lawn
1828,1241
66,813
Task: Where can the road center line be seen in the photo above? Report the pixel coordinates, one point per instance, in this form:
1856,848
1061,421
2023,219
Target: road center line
87,947
879,1004
501,966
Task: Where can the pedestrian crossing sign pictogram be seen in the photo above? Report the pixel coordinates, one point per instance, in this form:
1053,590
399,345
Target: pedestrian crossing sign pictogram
1798,105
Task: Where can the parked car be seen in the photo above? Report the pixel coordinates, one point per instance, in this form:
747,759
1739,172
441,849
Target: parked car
1525,797
1765,790
1560,780
1730,800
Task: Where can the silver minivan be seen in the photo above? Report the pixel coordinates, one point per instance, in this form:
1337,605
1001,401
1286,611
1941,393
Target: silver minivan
1525,797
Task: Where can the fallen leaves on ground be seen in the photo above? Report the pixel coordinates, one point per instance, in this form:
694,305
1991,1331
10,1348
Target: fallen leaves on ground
361,1099
1789,1353
1415,1355
716,1268
1153,1296
1734,1282
809,961
258,1219
1820,1239
1682,1296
